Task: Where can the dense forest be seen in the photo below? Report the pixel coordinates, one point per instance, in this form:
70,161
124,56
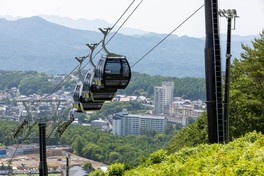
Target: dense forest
242,156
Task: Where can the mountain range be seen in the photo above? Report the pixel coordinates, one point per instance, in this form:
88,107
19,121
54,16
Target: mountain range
37,44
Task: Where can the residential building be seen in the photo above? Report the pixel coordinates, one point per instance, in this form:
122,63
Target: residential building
133,124
179,111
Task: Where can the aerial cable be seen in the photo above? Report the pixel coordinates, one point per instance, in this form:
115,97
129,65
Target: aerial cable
124,22
68,77
63,82
167,36
114,26
93,46
123,13
117,30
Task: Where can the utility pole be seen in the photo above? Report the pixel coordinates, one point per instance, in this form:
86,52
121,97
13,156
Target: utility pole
229,15
68,156
43,169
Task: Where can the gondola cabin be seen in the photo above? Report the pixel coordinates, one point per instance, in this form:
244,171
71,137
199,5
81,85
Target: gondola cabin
113,72
82,104
96,93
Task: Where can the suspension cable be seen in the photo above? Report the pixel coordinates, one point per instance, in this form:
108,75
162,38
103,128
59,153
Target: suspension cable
115,32
53,141
124,21
67,78
62,82
167,36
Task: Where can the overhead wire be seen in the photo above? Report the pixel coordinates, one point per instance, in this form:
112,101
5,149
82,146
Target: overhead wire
68,76
167,36
115,31
53,141
63,82
124,22
113,27
157,43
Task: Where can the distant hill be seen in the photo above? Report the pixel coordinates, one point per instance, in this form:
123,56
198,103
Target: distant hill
85,24
36,44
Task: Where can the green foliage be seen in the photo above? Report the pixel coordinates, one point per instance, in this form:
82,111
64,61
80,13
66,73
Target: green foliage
97,172
143,84
243,156
28,82
246,100
114,107
88,166
192,135
247,95
7,129
37,84
116,169
156,157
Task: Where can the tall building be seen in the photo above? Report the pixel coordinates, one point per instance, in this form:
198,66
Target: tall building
163,97
133,124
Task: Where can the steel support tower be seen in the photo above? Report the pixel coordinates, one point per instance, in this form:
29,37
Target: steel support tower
213,74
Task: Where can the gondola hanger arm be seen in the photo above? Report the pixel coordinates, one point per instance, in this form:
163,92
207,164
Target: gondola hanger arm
106,31
92,48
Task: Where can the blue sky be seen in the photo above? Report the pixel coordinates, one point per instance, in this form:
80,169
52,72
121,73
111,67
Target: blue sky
160,16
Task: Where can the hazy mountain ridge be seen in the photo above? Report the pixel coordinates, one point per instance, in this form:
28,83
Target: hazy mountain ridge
36,44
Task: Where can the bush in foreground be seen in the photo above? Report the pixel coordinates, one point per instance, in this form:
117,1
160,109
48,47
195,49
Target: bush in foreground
243,156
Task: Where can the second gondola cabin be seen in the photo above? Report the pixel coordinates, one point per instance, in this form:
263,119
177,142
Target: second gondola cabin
94,92
82,104
113,72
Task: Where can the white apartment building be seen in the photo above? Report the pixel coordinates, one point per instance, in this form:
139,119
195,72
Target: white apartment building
163,97
132,124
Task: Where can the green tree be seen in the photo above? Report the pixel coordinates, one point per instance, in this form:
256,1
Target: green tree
78,145
192,135
114,157
116,169
92,151
97,172
247,90
156,157
88,166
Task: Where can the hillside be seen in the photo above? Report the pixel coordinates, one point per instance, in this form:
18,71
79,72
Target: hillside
36,44
243,156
